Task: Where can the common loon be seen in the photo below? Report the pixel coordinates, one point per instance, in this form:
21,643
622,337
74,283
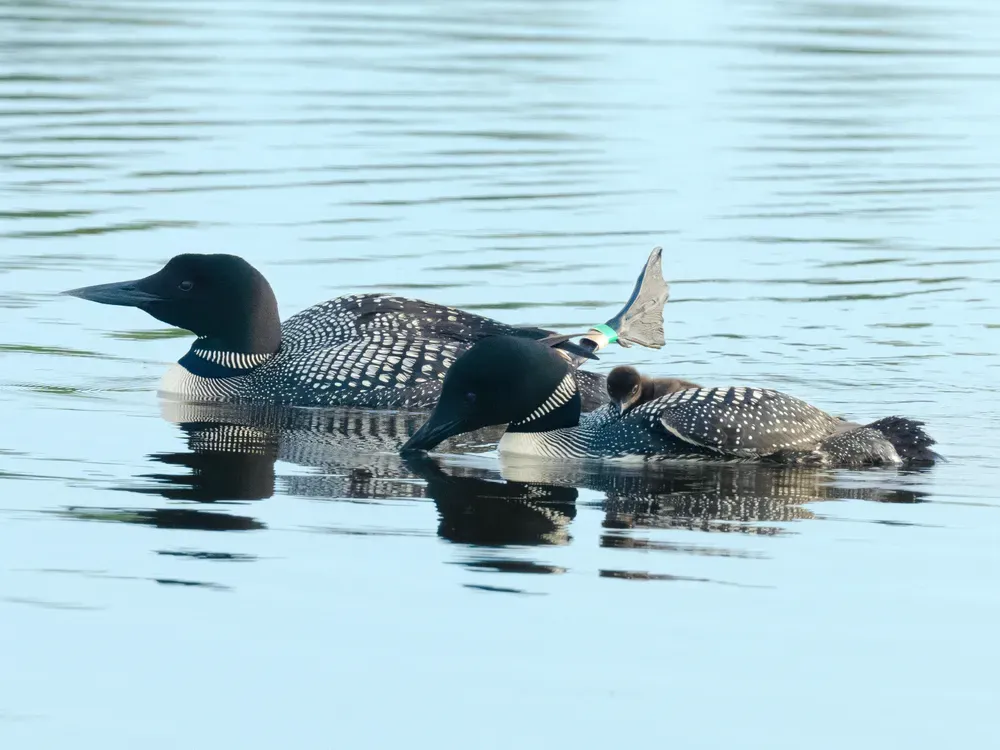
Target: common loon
526,385
369,350
628,389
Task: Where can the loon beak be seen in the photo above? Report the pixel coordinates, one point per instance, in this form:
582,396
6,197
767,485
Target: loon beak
126,293
432,434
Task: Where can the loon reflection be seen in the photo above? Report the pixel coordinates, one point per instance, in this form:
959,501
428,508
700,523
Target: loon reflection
232,450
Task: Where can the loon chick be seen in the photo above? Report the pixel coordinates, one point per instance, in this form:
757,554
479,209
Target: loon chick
628,389
368,350
528,386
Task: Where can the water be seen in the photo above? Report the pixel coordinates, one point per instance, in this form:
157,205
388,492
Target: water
824,178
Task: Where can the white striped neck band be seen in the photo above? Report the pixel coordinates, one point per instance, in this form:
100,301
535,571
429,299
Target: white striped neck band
562,395
232,360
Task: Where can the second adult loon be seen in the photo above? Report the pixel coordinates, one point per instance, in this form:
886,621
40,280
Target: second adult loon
369,350
529,387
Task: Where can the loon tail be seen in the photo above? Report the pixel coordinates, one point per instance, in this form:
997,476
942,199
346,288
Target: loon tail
909,438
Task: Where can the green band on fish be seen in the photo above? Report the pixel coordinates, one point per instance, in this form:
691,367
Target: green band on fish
610,333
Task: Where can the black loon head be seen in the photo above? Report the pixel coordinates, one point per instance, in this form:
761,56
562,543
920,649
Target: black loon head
625,387
220,298
500,380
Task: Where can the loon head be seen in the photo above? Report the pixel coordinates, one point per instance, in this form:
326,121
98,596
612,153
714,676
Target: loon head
220,298
500,380
625,387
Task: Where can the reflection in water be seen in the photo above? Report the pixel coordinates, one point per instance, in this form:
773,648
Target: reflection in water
724,497
475,510
216,473
167,518
232,451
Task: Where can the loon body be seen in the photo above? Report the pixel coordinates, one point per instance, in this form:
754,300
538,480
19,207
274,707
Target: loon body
370,350
526,385
628,389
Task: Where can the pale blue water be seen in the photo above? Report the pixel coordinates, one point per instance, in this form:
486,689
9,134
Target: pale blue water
824,178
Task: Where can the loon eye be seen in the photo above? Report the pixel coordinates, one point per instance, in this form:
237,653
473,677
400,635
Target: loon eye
186,286
470,397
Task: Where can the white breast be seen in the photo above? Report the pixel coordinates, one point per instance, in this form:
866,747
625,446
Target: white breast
180,383
522,444
177,381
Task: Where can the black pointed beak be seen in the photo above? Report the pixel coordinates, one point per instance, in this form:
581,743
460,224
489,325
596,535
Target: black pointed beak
126,293
432,433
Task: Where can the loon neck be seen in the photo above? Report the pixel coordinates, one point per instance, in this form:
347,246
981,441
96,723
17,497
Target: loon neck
648,391
206,360
262,331
561,409
244,322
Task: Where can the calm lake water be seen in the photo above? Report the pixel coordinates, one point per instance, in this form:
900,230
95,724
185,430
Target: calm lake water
825,179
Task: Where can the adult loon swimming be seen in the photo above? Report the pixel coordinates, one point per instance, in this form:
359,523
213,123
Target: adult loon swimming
531,388
369,350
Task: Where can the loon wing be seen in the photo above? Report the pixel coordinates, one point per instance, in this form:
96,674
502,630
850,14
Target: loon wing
378,351
346,319
743,422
